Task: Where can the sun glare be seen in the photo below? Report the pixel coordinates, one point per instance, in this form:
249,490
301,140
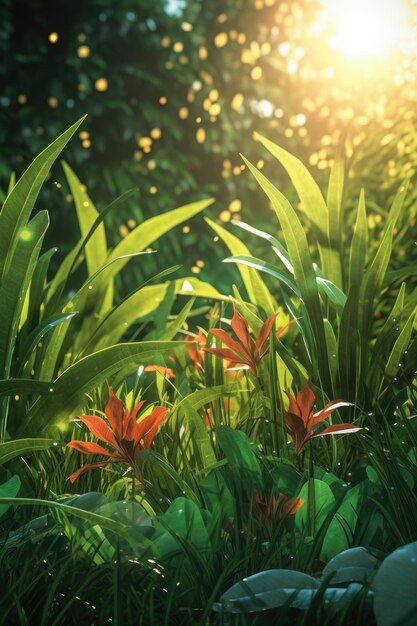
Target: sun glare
367,28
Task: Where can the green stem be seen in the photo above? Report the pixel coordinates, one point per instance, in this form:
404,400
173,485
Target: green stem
311,511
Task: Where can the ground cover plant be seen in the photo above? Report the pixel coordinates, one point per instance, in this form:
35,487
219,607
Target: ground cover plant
182,456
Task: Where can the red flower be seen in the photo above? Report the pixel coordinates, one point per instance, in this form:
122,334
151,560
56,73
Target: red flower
195,343
245,351
300,419
168,372
274,508
125,435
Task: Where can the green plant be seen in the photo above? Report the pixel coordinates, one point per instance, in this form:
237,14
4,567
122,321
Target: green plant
337,303
57,344
125,435
231,506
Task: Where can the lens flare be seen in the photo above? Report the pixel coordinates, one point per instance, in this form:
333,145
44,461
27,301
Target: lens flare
368,28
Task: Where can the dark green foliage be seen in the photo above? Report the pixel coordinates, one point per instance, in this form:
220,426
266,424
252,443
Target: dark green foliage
218,519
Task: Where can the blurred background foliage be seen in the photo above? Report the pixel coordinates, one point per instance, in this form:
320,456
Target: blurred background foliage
174,90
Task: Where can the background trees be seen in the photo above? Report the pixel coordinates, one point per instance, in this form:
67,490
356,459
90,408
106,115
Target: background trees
174,90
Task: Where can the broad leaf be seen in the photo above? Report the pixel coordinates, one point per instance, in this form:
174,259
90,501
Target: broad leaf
353,565
395,602
240,452
9,489
266,590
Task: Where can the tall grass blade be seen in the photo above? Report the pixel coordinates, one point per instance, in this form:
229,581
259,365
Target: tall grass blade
19,203
299,255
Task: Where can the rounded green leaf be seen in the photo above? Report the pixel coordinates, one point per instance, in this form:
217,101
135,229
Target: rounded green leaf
353,565
181,525
395,602
266,590
324,501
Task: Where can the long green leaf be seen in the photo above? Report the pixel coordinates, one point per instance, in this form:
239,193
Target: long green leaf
191,286
277,247
19,203
39,333
186,412
13,386
400,346
359,245
257,291
72,259
267,268
388,332
299,254
36,294
335,295
89,298
87,214
19,447
335,202
350,338
153,228
372,281
71,387
93,518
138,304
308,191
15,284
398,203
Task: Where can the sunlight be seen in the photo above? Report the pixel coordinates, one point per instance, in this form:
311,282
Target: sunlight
367,29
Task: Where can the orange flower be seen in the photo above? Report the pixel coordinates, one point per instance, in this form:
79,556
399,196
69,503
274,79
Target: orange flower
168,372
300,419
274,509
195,343
244,351
125,435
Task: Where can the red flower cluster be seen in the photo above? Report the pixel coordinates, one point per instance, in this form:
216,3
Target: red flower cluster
274,509
195,351
125,435
300,419
245,351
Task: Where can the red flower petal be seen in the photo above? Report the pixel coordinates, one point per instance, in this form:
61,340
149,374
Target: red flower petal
98,427
240,327
338,429
306,399
83,468
194,351
136,410
328,409
225,353
293,408
264,332
115,412
150,424
296,429
89,447
292,505
282,330
165,371
236,347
